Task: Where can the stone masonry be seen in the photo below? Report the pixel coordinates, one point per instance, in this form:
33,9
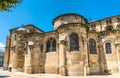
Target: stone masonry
75,47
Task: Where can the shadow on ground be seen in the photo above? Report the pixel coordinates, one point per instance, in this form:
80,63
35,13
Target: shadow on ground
100,74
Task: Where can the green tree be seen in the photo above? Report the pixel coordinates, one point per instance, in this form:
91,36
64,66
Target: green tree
7,5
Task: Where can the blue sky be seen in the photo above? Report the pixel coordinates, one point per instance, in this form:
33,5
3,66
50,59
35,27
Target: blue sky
41,13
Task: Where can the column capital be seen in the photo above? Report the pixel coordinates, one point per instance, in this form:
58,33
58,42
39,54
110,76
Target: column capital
117,43
63,42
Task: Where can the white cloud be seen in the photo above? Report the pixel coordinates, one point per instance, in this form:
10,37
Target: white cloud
2,46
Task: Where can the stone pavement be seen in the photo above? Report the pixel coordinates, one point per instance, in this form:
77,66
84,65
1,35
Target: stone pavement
6,74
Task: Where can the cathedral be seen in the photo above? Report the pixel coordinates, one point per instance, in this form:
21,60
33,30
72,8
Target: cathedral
75,47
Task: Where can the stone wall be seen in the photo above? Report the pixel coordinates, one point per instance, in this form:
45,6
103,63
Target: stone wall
51,62
110,60
7,54
26,47
101,25
68,18
72,62
93,58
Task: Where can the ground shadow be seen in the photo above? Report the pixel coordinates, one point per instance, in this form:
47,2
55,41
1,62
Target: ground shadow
100,74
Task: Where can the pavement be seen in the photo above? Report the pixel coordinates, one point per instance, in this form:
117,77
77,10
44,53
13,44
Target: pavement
7,74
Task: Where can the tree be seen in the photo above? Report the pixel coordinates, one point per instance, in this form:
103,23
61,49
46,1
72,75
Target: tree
6,5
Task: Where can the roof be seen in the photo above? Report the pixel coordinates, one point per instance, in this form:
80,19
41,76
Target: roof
103,19
66,15
26,26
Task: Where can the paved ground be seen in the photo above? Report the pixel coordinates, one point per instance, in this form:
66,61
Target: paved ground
6,74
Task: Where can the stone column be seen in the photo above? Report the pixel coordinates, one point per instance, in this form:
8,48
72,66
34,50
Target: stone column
14,56
7,54
41,67
117,54
86,70
36,58
62,59
101,55
28,59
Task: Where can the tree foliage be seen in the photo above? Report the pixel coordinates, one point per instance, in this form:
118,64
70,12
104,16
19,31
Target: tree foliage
6,5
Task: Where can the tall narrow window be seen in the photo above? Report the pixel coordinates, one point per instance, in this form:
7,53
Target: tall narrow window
54,45
108,48
14,48
108,22
74,42
26,48
15,36
92,46
51,45
48,45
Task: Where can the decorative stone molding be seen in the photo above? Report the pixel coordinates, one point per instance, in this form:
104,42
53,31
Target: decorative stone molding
63,42
117,42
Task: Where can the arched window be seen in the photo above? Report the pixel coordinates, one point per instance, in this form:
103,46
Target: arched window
74,42
92,46
109,28
108,48
51,45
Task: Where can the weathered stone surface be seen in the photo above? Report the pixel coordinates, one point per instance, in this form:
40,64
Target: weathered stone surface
27,49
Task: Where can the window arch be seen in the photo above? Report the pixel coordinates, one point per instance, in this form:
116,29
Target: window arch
108,48
109,28
92,46
74,42
51,45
